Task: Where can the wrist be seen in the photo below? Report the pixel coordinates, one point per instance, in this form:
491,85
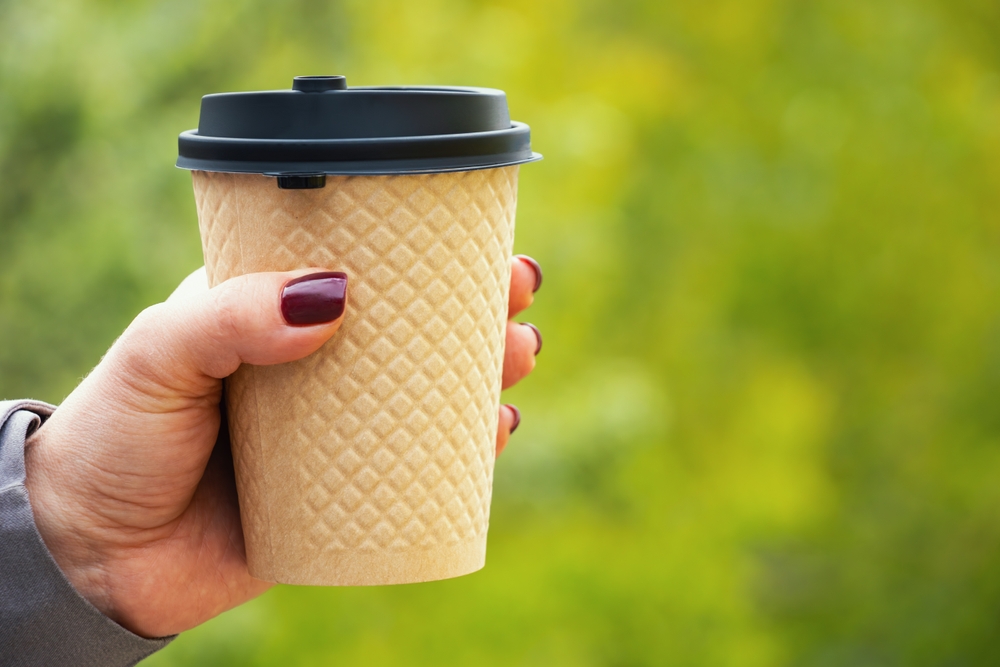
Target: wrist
61,526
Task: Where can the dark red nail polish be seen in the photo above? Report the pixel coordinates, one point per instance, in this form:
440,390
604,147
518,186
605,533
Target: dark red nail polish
537,268
517,417
314,299
538,335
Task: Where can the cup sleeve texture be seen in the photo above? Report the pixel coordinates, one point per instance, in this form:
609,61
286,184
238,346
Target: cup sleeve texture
43,619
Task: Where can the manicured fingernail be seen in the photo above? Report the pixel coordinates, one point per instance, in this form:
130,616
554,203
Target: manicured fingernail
538,335
517,417
536,267
315,298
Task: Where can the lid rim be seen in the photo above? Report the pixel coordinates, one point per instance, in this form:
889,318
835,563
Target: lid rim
410,154
192,134
355,168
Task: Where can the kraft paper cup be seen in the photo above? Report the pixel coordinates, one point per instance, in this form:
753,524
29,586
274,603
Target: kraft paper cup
371,461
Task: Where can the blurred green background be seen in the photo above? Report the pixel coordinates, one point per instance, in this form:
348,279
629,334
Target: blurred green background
765,428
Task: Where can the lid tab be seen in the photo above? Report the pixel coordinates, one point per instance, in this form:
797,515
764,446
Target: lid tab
319,84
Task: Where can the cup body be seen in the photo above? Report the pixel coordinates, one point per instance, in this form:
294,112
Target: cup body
371,460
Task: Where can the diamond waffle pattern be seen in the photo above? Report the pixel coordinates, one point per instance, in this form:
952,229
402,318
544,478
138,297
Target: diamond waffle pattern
383,439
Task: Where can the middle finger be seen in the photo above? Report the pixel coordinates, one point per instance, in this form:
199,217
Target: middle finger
523,342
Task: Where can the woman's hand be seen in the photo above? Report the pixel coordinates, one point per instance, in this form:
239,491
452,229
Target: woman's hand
130,492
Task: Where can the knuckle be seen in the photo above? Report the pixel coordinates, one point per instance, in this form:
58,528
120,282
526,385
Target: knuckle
148,323
148,318
135,350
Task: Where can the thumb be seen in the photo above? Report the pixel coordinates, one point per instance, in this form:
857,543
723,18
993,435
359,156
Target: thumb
192,340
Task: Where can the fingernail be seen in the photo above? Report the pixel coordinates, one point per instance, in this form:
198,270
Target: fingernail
314,299
537,268
538,335
517,417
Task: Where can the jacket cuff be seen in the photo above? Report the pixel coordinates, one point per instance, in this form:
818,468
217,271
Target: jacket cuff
43,619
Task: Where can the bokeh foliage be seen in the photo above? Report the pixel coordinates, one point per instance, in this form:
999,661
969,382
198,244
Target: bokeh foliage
765,426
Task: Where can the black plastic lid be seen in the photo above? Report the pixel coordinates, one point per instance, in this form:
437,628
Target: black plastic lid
323,127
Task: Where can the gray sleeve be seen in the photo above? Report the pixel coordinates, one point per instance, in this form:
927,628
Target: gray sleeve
43,620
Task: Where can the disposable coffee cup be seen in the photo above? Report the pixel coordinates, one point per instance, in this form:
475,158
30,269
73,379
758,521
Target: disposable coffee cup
370,461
